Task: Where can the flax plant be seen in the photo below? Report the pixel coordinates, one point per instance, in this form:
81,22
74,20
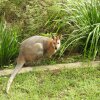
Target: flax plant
8,44
86,16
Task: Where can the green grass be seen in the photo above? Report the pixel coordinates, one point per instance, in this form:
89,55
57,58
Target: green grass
85,15
8,44
67,84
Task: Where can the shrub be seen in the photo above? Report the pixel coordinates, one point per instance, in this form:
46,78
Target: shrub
86,16
34,16
8,44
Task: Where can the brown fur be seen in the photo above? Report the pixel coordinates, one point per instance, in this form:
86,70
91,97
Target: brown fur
50,49
33,49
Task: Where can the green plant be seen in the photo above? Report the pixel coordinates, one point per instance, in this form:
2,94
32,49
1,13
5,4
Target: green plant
34,16
86,16
8,44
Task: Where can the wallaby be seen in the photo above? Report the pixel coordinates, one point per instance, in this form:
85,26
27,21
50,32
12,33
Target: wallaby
33,49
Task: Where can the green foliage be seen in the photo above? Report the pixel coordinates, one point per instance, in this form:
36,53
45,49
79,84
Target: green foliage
66,84
34,16
78,22
8,44
86,16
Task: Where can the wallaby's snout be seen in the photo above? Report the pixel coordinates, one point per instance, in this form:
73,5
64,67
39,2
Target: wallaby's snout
55,48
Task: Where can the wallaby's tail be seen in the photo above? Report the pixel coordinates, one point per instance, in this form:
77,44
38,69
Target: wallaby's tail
16,70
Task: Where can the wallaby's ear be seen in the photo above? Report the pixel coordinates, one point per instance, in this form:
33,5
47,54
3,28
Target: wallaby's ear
59,36
52,36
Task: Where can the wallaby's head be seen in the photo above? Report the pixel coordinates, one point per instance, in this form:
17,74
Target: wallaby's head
56,42
53,45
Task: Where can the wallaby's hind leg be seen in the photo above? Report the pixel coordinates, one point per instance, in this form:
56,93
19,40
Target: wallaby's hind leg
20,63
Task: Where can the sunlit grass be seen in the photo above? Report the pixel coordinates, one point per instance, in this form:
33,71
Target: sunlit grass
68,84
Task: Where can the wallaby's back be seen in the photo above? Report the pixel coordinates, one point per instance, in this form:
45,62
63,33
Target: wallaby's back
31,47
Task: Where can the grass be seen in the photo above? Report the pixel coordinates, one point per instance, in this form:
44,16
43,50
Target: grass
67,84
86,16
8,44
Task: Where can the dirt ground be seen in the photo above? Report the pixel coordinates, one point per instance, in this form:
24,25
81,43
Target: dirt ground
53,67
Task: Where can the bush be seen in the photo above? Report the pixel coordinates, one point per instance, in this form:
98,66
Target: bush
86,16
8,44
35,16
